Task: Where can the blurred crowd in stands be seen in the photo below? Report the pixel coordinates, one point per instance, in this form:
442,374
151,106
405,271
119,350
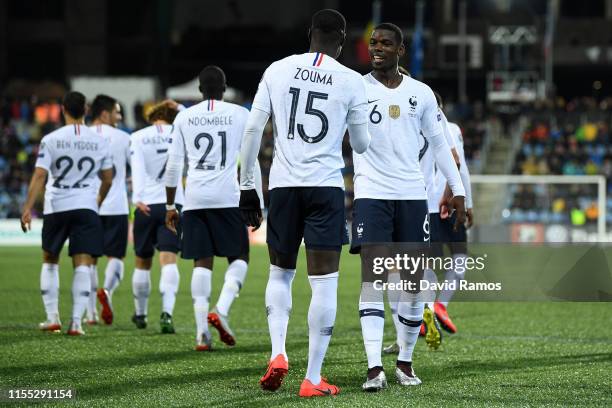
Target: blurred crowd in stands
23,123
564,139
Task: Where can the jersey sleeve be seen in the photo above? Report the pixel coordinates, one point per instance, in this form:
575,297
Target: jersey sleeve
107,156
448,134
431,117
138,170
176,155
44,155
358,105
262,97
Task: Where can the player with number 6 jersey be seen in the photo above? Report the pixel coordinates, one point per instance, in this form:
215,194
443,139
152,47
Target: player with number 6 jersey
210,134
149,155
70,158
312,99
391,201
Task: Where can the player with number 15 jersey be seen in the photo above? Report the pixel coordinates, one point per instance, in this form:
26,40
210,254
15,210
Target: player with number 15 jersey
312,99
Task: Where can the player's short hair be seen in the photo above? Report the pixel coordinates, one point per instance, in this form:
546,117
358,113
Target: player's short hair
74,104
102,103
162,111
399,36
212,80
438,98
329,24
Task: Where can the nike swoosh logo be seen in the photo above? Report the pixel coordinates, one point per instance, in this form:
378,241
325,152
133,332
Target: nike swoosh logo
326,392
369,101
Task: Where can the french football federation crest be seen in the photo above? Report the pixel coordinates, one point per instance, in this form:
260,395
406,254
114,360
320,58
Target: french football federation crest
394,111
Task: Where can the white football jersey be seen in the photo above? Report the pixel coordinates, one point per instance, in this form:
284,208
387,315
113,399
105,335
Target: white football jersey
116,202
210,133
149,155
428,166
73,155
439,180
400,122
311,98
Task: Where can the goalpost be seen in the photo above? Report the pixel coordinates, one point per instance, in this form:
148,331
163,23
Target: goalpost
499,188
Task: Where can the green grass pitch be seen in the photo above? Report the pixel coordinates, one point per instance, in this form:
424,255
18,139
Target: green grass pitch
505,354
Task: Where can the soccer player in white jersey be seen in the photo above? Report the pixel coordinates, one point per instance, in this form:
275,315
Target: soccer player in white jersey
390,198
149,155
429,328
312,98
70,159
442,231
106,114
210,135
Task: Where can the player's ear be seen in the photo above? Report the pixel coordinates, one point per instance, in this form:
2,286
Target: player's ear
309,34
401,50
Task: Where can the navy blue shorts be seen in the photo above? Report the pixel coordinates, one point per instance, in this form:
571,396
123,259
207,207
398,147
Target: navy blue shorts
115,235
150,232
379,221
313,213
214,232
83,227
442,234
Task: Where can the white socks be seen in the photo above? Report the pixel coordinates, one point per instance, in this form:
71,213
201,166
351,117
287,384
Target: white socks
234,279
80,292
393,297
113,274
200,292
49,289
321,318
168,286
91,304
141,288
372,318
278,307
410,315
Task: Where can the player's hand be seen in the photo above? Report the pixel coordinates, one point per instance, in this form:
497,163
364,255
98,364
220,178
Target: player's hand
470,218
250,208
143,208
458,205
172,219
26,220
447,196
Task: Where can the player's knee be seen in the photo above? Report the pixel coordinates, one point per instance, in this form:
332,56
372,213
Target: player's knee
143,263
282,260
166,258
322,262
50,258
243,257
204,263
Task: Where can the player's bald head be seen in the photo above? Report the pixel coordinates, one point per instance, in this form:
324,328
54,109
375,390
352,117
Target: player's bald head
328,27
212,82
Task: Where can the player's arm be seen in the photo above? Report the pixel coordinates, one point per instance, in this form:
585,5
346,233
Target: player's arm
250,206
357,119
36,186
433,130
106,175
449,138
174,171
464,171
139,175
